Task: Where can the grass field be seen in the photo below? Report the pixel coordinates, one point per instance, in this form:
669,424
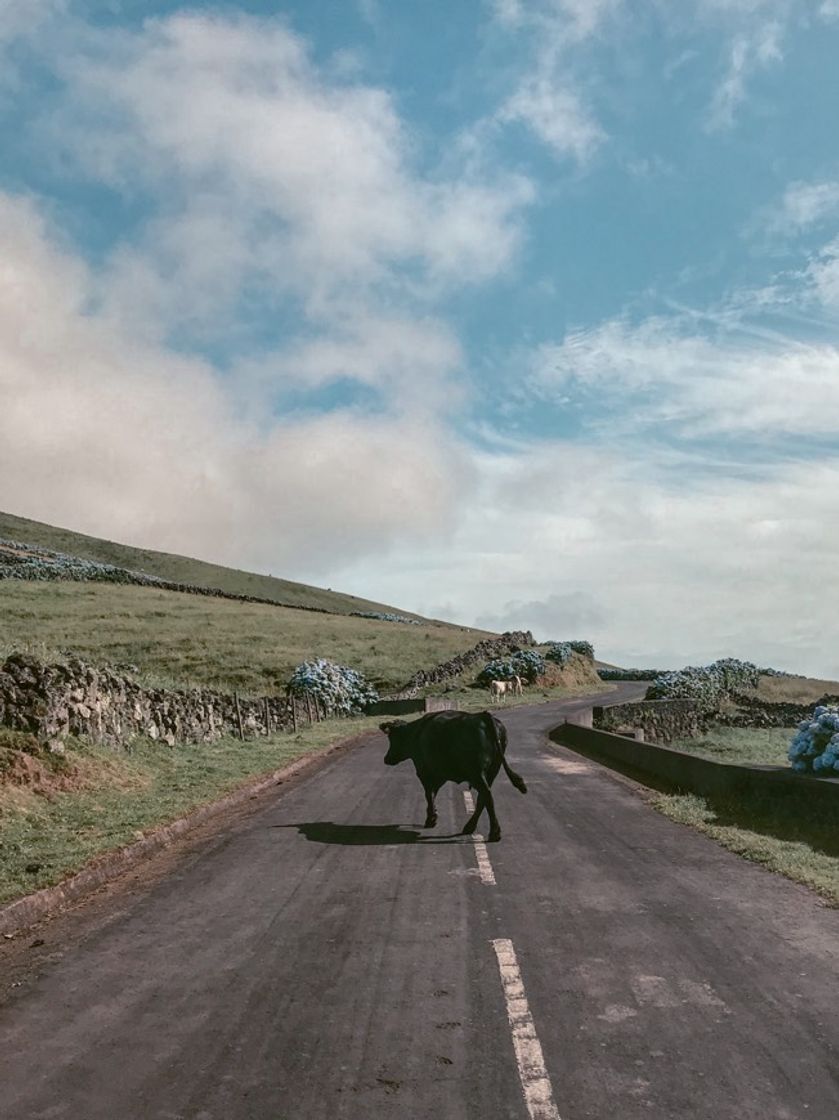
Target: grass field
94,799
794,690
741,744
183,569
194,640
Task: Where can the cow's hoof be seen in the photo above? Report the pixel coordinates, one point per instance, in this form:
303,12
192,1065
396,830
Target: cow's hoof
493,836
430,823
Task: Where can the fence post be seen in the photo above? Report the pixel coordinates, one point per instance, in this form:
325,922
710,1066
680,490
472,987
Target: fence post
293,703
309,707
267,717
239,716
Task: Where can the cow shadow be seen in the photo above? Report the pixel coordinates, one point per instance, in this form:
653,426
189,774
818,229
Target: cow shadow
326,832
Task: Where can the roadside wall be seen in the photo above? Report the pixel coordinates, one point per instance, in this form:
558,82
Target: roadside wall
754,712
53,701
687,773
660,720
509,642
409,706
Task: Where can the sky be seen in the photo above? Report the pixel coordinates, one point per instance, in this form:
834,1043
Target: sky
517,313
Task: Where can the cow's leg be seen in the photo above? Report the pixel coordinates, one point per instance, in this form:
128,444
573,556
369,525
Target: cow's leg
485,801
472,823
430,808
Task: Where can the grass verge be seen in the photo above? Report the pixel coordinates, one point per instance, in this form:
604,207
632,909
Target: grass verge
94,799
789,837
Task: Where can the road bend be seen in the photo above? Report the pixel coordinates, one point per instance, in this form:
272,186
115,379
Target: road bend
328,959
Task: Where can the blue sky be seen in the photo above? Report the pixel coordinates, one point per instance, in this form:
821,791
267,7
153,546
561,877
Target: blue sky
517,312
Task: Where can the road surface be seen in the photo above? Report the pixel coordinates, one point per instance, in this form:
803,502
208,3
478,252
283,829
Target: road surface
326,959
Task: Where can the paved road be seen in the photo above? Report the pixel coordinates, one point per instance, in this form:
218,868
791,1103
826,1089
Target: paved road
323,960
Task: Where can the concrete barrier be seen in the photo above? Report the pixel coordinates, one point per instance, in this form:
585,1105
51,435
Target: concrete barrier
409,707
666,768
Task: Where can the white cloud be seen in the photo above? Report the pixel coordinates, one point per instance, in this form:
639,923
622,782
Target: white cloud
751,50
556,116
412,363
566,19
654,568
700,384
118,437
274,173
805,204
556,617
547,98
822,274
19,20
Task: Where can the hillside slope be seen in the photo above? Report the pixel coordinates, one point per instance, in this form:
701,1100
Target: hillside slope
184,569
184,640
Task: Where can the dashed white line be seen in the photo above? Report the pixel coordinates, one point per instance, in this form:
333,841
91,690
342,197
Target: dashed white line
481,853
535,1083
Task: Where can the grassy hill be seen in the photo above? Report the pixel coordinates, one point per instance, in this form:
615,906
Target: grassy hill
179,639
183,640
184,569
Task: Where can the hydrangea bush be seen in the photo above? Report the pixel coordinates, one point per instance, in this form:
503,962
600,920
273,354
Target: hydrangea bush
709,684
27,562
559,652
815,747
527,664
339,688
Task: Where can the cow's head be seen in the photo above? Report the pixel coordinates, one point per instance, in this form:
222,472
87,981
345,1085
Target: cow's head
399,739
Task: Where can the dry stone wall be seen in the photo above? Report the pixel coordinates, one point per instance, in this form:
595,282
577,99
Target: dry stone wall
660,720
753,712
53,701
510,642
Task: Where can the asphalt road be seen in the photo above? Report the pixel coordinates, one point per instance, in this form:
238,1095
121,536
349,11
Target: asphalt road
326,959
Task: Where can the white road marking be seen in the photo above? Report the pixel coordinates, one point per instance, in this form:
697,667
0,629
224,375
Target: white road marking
481,853
535,1083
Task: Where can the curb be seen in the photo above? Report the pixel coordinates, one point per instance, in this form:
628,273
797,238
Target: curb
24,912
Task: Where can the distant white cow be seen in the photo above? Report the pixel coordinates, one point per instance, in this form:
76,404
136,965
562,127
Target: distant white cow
498,690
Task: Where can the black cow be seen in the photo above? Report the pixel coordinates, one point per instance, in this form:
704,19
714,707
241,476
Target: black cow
454,747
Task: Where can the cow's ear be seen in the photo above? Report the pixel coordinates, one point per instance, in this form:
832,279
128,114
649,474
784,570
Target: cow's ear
385,727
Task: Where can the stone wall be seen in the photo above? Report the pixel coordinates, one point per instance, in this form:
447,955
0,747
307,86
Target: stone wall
53,701
753,712
660,720
510,642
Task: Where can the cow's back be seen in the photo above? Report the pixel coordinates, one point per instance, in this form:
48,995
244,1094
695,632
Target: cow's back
456,746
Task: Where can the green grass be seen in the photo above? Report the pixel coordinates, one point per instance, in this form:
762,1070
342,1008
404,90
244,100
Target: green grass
183,569
194,640
741,745
122,793
789,837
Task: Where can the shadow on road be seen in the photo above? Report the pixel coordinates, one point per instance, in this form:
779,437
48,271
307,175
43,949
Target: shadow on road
325,832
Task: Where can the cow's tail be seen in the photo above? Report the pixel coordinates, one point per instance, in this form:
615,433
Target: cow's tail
499,732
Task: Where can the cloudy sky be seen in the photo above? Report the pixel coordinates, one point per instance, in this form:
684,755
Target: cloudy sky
513,312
